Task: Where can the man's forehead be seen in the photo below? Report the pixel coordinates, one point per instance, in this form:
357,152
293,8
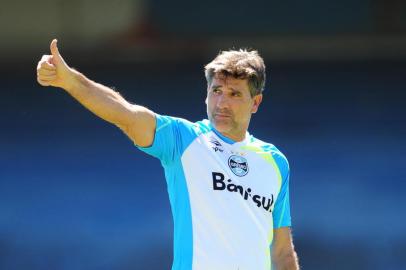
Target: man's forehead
221,79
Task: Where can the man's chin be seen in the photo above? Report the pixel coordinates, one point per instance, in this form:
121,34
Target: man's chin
222,125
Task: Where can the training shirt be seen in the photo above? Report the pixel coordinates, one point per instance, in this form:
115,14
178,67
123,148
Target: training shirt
226,197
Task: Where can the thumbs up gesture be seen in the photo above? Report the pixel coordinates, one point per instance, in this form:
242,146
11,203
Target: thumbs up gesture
52,69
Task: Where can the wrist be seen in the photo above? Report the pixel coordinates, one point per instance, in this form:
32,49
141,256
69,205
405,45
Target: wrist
73,80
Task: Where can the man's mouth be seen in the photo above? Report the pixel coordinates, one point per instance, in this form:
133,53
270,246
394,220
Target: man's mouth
222,115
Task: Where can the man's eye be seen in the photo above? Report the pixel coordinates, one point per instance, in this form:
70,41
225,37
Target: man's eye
216,91
236,94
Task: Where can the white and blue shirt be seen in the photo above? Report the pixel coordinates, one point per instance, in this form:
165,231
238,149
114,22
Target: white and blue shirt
226,197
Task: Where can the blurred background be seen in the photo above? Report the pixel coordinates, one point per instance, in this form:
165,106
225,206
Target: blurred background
76,194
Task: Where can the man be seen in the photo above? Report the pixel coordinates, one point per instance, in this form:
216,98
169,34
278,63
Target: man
228,191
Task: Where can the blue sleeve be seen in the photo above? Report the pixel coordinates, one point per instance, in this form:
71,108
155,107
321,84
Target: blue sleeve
281,212
172,136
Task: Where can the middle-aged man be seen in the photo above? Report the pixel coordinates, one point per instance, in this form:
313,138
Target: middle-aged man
229,192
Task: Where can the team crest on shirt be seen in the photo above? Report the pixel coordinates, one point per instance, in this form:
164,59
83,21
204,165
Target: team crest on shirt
238,165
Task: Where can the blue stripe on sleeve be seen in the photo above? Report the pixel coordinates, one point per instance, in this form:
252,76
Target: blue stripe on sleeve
281,212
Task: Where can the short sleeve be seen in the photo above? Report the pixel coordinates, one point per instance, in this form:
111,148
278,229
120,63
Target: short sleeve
172,136
281,212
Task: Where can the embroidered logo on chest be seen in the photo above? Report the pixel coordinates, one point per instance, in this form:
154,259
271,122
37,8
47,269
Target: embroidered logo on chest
238,165
216,145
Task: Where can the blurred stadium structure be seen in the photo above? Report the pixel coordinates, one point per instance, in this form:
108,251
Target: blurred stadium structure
74,192
143,30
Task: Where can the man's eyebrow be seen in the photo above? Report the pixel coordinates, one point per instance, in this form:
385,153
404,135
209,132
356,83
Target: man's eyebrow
236,90
215,86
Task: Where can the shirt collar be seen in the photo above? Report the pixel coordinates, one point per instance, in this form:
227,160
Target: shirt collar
227,139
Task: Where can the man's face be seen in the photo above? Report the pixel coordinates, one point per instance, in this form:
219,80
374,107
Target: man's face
230,105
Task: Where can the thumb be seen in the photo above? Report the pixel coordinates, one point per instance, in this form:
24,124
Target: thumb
55,52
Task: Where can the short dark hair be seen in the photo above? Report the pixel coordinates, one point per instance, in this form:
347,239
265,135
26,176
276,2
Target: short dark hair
241,64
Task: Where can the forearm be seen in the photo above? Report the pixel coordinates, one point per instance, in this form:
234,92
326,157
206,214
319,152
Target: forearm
288,261
99,99
136,121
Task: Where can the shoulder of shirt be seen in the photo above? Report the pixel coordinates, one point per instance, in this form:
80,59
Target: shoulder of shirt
198,127
202,126
278,157
266,147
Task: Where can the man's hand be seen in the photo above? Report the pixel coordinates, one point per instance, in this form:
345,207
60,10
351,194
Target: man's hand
52,69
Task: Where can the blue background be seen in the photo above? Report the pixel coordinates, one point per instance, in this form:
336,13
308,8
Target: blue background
76,194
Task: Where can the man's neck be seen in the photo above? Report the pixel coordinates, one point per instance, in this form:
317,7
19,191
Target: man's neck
228,138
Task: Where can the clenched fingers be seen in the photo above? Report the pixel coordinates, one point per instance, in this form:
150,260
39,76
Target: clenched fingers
46,66
45,63
43,83
47,77
45,72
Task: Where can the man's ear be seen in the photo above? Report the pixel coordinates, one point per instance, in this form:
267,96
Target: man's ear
257,101
207,93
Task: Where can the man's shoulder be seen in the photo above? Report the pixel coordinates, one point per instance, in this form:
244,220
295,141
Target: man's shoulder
183,124
271,153
265,146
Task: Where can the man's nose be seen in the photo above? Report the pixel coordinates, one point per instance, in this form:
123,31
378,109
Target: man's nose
222,102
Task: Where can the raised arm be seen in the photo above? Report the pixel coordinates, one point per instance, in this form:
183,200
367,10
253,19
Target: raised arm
136,121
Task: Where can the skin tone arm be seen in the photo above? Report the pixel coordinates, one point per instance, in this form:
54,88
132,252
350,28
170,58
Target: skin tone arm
136,121
284,256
